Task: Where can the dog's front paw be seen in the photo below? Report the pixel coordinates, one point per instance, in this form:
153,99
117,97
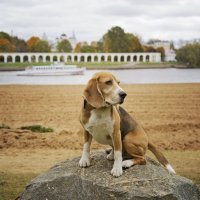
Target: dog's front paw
84,162
116,171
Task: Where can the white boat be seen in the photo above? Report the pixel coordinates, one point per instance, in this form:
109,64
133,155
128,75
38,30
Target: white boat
56,69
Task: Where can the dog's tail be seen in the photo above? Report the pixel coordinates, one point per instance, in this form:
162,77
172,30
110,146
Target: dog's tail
161,158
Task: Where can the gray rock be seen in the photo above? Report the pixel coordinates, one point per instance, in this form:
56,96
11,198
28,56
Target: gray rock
68,181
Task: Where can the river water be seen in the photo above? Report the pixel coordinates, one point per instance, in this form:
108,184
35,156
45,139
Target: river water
169,75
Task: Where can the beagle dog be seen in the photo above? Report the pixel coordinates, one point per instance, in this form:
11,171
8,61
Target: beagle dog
108,123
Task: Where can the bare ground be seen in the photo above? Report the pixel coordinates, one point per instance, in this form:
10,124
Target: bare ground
170,114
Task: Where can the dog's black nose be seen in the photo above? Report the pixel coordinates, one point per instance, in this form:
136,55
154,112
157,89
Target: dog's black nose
122,94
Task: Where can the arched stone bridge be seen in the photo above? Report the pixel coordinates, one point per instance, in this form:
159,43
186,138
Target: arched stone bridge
80,57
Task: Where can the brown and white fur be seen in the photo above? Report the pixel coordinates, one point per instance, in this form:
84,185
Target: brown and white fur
108,123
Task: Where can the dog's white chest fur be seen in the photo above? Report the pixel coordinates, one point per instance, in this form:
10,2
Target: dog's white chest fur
100,125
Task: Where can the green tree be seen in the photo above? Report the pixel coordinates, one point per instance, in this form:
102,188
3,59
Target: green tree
162,51
88,49
189,54
6,36
135,44
20,44
42,46
116,40
100,47
64,46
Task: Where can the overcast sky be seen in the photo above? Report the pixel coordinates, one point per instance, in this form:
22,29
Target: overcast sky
90,19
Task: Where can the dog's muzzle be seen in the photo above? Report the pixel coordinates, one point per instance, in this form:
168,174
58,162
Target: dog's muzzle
122,95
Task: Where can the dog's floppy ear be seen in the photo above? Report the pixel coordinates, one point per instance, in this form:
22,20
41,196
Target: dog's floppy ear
93,94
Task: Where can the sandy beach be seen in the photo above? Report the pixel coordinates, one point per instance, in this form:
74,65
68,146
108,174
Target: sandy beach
168,112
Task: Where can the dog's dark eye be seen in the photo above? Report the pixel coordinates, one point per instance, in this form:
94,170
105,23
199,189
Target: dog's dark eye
109,82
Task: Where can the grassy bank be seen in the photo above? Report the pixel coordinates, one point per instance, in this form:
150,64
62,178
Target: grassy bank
19,66
96,65
13,183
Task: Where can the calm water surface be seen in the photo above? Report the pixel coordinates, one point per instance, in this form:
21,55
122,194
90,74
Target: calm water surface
126,76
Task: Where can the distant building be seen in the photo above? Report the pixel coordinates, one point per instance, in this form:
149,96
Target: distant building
181,43
73,40
63,36
94,44
44,37
170,54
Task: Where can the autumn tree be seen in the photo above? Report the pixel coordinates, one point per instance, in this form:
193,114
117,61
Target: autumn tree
77,48
64,46
31,43
6,45
13,43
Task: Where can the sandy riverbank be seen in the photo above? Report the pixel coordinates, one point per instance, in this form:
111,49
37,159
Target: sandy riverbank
169,113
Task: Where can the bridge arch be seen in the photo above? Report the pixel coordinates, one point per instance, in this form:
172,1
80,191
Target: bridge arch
40,58
82,59
147,58
9,58
33,58
121,58
55,59
128,59
47,59
109,58
115,58
17,59
96,59
2,59
102,59
61,58
25,59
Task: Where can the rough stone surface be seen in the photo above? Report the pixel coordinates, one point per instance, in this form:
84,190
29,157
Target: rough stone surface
68,181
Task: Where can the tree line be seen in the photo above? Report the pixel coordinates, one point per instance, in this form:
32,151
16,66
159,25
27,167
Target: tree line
33,44
113,41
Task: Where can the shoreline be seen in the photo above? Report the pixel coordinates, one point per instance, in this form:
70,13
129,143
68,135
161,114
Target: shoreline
112,67
140,66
